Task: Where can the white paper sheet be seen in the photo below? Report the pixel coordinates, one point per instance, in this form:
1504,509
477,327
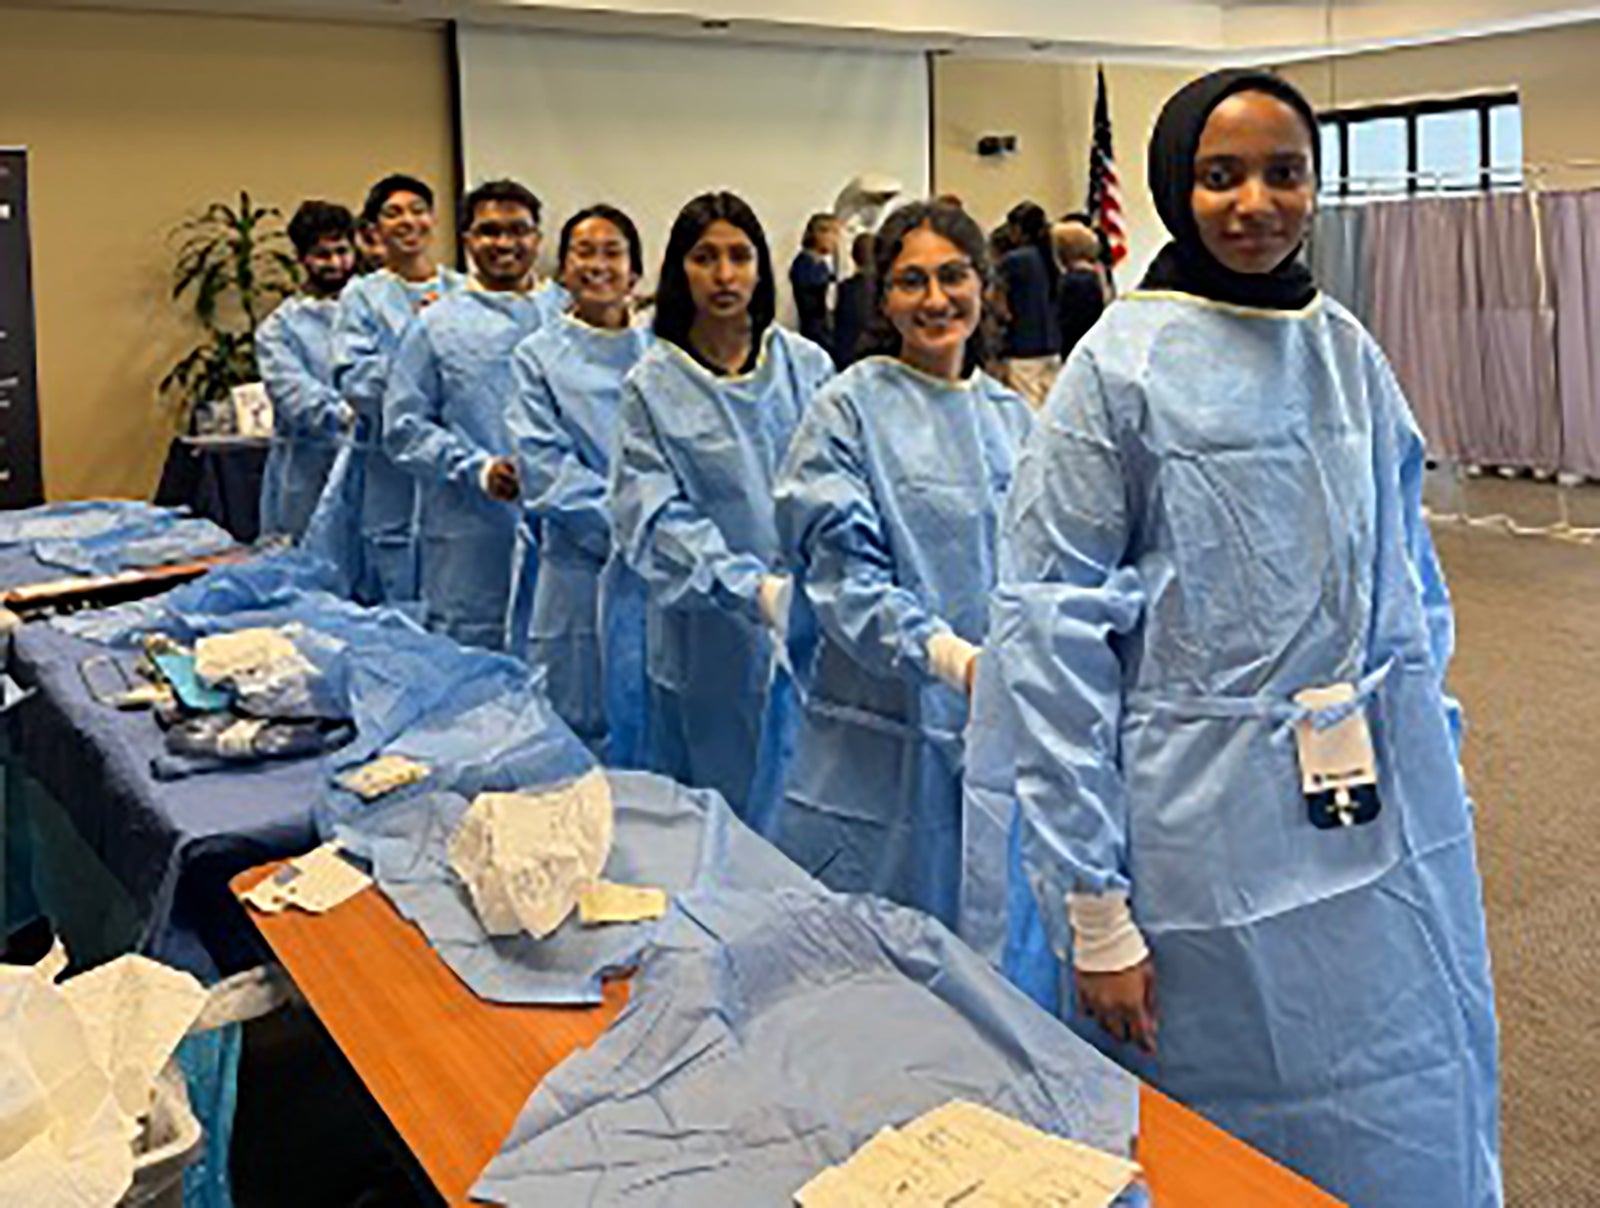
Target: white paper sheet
526,857
77,1067
134,1012
226,657
967,1155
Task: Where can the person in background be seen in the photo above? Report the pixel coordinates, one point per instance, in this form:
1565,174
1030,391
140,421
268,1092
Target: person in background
444,418
1028,276
1220,641
853,313
1083,290
563,417
811,278
707,416
373,314
294,349
888,507
369,247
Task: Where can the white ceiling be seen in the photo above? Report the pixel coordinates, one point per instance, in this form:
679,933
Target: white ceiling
1176,31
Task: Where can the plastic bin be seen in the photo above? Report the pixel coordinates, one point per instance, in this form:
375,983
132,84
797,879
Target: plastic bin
169,1145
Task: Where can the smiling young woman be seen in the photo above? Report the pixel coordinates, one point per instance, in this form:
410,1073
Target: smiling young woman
706,418
1216,530
569,378
889,508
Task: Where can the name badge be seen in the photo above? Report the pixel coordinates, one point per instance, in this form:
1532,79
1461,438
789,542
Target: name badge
1338,768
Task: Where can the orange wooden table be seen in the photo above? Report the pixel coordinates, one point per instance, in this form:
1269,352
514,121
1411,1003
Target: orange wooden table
109,589
452,1072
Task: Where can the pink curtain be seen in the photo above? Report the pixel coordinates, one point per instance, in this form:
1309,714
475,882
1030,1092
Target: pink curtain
1456,304
1413,302
1572,261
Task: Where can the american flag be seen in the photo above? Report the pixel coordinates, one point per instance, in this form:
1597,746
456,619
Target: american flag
1105,189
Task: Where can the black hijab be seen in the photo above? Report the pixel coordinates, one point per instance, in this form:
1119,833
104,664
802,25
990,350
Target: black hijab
1185,264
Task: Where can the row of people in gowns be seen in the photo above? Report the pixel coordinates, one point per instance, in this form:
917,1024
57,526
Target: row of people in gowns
1036,677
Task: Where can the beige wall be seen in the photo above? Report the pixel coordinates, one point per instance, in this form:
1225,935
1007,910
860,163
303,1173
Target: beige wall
1256,23
1050,108
1038,103
134,120
1555,71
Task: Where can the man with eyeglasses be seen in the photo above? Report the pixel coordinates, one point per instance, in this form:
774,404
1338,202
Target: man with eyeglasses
444,415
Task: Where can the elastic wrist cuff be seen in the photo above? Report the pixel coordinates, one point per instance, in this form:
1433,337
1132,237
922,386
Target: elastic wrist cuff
1105,938
949,656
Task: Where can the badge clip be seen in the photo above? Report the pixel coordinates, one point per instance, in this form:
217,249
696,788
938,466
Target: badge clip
1338,768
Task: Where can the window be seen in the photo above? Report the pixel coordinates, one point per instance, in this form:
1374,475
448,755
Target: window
1449,149
1505,145
1378,155
1465,144
1332,153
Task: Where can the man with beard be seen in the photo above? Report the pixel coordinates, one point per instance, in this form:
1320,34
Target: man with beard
444,416
294,349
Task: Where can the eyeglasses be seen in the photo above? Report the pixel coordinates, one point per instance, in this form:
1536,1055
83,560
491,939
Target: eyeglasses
952,275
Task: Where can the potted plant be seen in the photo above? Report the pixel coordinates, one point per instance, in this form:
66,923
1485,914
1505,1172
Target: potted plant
234,265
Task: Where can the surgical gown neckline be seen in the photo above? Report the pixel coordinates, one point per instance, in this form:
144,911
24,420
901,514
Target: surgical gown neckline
729,379
1309,311
573,319
959,385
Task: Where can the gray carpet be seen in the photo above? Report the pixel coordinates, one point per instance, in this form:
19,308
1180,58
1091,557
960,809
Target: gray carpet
1528,672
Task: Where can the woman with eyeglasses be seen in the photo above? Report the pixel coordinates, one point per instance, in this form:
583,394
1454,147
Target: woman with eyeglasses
707,415
888,508
569,378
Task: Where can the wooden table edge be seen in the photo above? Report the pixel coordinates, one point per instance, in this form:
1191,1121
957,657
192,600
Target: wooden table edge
1188,1161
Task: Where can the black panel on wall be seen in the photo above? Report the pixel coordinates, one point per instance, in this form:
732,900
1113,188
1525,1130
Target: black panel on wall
21,481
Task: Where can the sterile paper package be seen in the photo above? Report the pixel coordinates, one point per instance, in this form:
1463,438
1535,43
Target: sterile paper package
604,902
382,776
78,1071
526,857
315,882
966,1154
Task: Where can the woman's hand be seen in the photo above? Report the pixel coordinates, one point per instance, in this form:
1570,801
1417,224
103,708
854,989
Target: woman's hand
1123,1003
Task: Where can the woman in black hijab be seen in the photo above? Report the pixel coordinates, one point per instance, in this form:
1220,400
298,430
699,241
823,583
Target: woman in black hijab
1215,558
1179,181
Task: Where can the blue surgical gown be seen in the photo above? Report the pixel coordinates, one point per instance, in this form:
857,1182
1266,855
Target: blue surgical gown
444,420
1218,509
889,507
562,420
692,514
294,349
374,312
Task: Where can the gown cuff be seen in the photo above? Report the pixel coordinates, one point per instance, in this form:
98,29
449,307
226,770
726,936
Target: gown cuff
1105,938
949,656
774,594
